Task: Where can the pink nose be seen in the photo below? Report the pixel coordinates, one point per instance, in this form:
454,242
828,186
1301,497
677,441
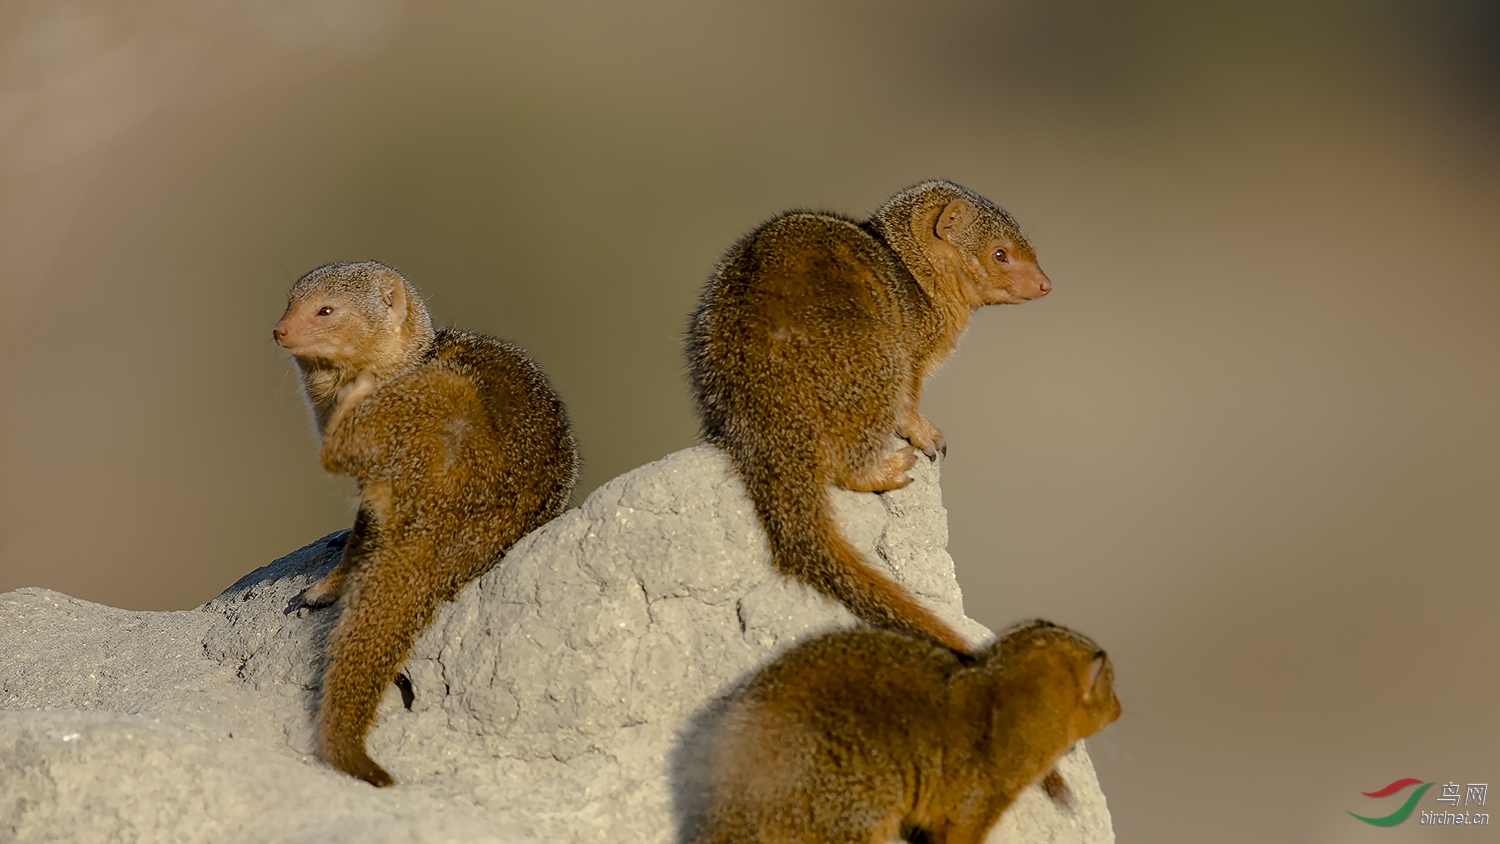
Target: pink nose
1045,285
279,332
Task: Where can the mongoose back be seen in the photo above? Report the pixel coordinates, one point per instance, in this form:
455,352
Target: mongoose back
869,735
808,350
459,447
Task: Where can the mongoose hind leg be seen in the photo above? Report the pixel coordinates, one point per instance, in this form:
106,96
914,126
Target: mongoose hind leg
888,474
330,587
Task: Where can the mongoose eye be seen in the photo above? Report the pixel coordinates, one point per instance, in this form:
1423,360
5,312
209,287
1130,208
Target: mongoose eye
1000,256
325,310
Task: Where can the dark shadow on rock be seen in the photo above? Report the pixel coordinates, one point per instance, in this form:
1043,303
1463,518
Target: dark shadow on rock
690,762
259,633
312,560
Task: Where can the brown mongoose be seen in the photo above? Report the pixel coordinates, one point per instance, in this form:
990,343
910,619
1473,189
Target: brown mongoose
808,350
459,447
868,735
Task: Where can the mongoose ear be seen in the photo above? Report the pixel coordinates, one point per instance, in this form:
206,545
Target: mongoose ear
395,299
1096,670
955,218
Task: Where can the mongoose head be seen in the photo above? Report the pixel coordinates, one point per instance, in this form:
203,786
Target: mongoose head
354,316
956,231
1066,675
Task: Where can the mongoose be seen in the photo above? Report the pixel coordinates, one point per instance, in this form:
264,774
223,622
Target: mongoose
866,735
459,447
808,350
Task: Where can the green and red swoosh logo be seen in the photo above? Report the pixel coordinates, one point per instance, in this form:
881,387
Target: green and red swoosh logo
1402,813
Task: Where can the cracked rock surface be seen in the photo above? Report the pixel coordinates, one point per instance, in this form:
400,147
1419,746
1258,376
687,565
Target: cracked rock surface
564,696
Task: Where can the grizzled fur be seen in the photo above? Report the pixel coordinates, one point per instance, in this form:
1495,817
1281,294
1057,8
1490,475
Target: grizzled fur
870,735
808,351
460,447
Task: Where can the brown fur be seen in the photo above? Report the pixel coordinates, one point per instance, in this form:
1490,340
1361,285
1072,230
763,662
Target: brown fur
459,446
869,735
808,351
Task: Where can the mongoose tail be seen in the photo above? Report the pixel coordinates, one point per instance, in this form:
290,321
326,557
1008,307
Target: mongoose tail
383,614
806,545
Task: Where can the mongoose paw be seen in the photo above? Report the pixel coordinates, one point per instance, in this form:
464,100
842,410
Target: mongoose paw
897,466
927,437
937,447
888,475
312,598
357,390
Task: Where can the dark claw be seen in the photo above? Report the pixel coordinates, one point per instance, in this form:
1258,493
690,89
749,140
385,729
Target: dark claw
932,449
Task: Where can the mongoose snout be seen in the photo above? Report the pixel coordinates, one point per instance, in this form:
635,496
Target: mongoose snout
297,328
288,334
1034,284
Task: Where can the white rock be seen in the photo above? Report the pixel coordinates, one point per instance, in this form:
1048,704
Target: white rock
564,696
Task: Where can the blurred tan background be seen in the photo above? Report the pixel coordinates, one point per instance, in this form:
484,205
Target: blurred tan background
1249,443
